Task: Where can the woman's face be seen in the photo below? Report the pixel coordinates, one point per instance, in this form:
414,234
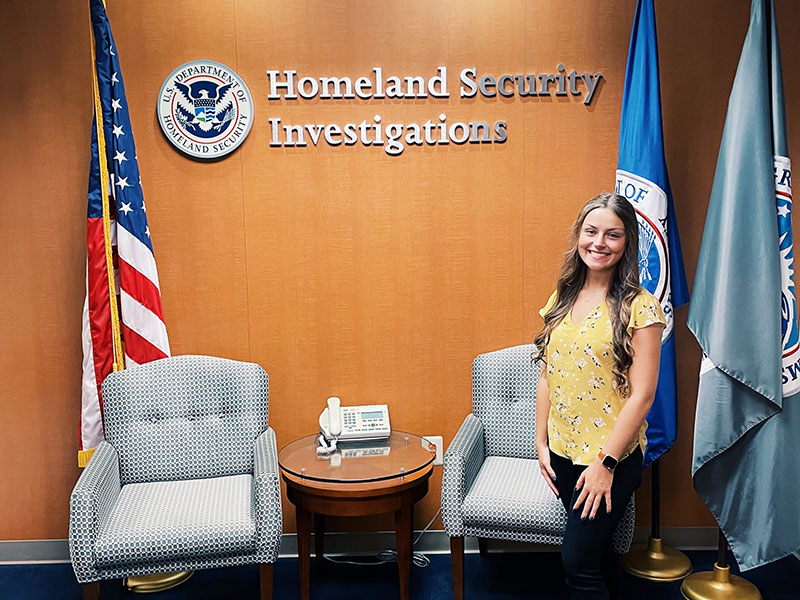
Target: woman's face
601,242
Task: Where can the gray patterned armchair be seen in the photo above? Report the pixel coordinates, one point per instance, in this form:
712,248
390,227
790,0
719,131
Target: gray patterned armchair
491,486
187,477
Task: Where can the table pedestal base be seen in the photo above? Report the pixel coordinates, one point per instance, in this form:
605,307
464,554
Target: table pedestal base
313,503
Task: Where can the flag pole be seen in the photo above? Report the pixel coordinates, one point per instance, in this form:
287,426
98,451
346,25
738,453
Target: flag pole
719,584
654,561
642,177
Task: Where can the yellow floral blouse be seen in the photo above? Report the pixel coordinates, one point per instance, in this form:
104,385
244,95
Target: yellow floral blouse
583,402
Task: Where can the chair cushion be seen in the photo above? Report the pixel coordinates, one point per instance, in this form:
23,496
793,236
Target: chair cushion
510,493
157,522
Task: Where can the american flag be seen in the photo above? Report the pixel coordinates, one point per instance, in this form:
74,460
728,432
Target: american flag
120,260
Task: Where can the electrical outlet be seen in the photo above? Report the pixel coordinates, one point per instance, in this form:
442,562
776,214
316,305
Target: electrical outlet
434,442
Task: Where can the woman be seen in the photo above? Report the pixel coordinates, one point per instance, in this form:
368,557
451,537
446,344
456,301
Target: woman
601,346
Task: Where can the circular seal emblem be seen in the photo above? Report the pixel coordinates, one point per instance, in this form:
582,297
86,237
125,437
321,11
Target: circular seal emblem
791,334
783,200
652,257
651,205
205,109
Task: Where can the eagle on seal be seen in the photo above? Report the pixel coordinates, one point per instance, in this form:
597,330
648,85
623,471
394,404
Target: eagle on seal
204,107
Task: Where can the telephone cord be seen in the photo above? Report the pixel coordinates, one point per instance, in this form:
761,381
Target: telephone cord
387,556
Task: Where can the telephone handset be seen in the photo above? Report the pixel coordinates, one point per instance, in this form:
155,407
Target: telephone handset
370,422
334,413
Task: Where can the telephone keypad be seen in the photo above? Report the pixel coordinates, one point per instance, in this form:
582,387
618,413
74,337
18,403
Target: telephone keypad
355,423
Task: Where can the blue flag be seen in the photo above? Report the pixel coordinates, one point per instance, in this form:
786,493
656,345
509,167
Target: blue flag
743,313
642,178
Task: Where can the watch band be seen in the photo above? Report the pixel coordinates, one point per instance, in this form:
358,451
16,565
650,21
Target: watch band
608,461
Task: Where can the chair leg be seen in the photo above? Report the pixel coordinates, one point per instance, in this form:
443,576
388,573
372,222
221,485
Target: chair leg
266,581
91,591
457,560
483,547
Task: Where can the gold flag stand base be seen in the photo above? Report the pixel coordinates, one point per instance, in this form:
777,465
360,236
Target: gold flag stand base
157,582
655,562
718,585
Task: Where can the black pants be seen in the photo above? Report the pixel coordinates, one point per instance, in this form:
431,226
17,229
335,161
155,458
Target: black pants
590,564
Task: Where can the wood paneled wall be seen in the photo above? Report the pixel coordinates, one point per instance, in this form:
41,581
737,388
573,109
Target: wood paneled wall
341,270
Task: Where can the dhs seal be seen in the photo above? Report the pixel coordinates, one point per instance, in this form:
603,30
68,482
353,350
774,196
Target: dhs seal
789,330
650,203
205,109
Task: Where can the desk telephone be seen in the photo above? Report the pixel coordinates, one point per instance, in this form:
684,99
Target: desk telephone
342,423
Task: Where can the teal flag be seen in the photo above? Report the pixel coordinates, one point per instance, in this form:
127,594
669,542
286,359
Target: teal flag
743,313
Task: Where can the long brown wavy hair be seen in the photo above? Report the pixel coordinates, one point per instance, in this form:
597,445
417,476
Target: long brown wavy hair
622,290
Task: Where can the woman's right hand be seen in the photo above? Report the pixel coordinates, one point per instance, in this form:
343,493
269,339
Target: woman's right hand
544,467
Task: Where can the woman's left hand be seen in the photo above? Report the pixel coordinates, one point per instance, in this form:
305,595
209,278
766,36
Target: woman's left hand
595,485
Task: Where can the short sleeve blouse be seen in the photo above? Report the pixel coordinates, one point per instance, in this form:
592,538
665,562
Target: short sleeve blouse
583,402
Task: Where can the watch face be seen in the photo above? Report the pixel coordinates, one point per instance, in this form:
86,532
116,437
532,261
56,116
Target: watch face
609,462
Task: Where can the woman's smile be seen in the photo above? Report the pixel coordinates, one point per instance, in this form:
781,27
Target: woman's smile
602,239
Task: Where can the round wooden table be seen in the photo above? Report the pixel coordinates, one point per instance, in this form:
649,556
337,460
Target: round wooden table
359,479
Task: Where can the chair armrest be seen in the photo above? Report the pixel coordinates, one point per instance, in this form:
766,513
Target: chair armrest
90,503
462,461
267,497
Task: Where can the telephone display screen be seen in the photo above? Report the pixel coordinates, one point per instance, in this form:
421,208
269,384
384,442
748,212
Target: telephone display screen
372,415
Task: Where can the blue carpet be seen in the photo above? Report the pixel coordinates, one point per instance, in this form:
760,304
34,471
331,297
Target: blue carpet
500,576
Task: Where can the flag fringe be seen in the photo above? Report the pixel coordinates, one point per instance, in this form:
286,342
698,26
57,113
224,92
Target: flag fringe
104,190
84,456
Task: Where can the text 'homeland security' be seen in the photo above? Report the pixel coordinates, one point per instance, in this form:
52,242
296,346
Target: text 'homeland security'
289,86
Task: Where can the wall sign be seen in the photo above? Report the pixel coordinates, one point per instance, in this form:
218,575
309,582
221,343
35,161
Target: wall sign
291,87
205,109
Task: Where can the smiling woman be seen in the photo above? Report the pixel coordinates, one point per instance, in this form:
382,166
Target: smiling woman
600,343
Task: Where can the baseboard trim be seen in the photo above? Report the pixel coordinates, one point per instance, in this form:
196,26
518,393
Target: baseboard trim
33,551
370,543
